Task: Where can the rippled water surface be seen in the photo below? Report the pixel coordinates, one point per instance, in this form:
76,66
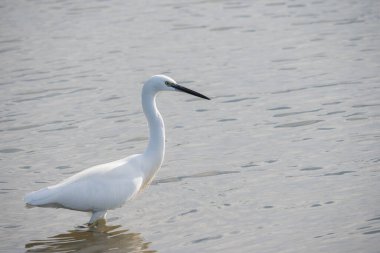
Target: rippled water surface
284,158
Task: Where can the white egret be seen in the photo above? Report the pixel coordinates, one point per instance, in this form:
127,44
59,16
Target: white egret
108,186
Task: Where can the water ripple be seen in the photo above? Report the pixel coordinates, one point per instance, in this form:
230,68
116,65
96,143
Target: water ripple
239,99
10,150
339,173
294,113
199,175
299,123
207,239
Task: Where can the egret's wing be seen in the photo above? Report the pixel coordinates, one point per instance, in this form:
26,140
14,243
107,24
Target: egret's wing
99,193
101,187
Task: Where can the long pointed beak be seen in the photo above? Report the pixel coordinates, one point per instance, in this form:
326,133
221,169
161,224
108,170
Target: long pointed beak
184,89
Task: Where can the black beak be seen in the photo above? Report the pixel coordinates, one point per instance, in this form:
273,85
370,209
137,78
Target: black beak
184,89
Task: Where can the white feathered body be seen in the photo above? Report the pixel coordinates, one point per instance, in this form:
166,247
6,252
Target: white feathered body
102,187
108,186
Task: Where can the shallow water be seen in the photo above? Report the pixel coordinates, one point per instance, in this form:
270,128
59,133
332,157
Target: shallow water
284,158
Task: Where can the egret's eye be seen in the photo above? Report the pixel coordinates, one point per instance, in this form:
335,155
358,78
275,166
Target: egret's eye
168,83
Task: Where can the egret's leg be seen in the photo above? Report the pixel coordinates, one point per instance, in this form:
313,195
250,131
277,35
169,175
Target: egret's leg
97,216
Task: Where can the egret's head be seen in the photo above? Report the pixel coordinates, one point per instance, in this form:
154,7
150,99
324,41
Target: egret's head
164,83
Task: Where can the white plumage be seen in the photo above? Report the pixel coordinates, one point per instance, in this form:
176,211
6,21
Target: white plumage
110,185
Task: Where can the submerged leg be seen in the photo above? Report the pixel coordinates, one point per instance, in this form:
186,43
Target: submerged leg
98,215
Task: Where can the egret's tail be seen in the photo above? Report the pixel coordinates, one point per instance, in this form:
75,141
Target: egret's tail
42,197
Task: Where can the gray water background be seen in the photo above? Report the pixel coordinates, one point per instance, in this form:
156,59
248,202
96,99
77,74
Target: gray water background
284,158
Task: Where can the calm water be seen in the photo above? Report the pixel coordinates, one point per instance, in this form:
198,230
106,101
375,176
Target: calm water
285,158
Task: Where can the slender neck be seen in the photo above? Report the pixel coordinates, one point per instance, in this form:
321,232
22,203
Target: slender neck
154,153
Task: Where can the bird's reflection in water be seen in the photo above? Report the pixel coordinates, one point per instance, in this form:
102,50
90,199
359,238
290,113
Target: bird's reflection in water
101,238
